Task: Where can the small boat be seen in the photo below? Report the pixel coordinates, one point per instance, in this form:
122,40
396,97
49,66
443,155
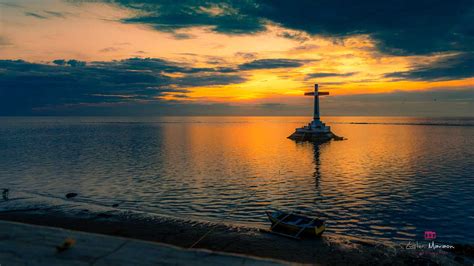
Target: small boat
295,223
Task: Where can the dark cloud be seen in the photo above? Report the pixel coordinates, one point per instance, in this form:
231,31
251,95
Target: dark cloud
220,16
437,94
273,106
306,47
272,63
183,36
59,62
35,15
439,102
26,86
451,67
297,36
328,74
246,55
75,63
109,49
153,64
403,27
208,80
11,5
135,87
226,69
46,14
55,14
72,62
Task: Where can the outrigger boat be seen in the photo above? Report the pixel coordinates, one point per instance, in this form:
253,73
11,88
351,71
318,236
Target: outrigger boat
295,223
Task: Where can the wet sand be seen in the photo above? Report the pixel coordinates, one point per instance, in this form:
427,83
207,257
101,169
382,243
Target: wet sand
326,250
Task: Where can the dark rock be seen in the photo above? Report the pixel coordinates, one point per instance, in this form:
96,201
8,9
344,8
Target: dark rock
68,243
463,249
120,232
71,195
313,137
459,259
104,215
5,193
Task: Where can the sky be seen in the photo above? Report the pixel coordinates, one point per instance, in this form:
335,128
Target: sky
248,57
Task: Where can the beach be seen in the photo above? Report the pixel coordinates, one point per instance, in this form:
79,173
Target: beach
221,237
26,244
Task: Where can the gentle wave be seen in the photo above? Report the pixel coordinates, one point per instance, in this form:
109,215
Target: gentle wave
382,183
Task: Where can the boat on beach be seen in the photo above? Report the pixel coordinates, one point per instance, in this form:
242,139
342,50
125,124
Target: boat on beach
295,223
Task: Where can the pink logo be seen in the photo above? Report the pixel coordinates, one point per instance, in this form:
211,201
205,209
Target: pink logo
430,235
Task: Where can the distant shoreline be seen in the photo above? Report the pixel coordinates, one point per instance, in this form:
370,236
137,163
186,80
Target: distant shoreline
456,121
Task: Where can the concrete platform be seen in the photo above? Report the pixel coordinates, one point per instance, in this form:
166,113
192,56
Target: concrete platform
22,244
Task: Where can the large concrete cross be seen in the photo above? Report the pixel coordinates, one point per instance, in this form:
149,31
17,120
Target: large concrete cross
316,94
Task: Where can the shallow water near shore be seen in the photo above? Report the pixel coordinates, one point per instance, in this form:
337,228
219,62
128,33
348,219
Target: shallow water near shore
391,180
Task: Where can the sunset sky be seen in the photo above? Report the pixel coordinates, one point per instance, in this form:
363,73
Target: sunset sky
247,57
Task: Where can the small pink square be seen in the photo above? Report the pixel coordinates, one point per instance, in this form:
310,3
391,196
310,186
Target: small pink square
430,235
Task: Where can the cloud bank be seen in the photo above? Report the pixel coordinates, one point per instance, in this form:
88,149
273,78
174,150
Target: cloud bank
403,27
26,86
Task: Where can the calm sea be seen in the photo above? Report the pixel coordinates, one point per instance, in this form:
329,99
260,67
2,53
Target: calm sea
391,180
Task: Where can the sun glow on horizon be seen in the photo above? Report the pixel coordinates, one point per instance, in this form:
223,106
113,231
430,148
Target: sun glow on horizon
241,64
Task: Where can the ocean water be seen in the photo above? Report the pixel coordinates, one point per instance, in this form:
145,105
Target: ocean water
391,180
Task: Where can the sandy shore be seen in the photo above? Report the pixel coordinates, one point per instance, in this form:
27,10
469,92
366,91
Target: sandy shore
327,250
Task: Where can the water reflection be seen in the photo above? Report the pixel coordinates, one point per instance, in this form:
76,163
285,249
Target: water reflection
317,166
384,182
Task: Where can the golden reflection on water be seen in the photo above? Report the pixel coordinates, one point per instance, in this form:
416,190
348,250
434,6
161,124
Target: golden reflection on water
258,148
385,181
255,149
358,184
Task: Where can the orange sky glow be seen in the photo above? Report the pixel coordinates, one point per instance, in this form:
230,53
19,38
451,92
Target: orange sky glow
93,32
